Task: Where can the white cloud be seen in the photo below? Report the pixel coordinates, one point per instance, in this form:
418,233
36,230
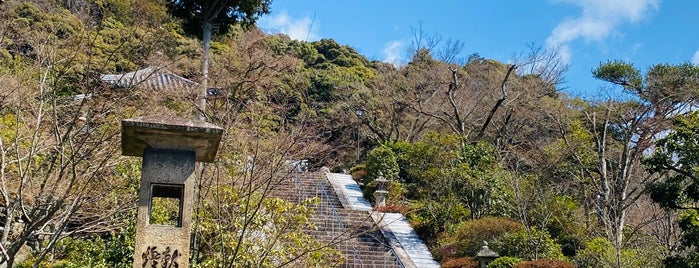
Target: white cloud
393,51
598,20
304,29
695,58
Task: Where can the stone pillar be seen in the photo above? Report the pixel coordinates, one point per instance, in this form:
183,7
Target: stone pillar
169,147
381,194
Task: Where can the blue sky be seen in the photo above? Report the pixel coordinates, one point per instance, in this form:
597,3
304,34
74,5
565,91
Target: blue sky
587,32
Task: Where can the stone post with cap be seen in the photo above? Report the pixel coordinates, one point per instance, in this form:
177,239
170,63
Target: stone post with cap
170,147
486,255
381,194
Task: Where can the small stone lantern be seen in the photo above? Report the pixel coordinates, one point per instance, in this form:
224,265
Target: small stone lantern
169,147
486,255
380,194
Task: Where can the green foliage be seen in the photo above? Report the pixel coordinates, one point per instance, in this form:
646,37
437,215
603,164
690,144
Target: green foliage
340,55
478,156
671,84
358,173
63,23
580,141
600,253
299,49
468,236
82,53
439,166
545,264
675,161
422,58
677,157
115,9
689,241
529,244
620,73
234,234
107,249
32,33
165,211
382,161
448,182
334,71
505,262
663,85
115,251
432,217
194,13
689,223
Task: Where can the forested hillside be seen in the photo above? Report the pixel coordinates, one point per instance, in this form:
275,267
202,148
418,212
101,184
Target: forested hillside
476,150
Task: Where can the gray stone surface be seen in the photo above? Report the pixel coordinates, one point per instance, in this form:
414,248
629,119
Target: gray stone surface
164,167
170,147
162,132
349,190
407,239
403,239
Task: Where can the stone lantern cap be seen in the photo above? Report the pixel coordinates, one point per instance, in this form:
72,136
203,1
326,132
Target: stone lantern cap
381,178
486,252
381,182
173,133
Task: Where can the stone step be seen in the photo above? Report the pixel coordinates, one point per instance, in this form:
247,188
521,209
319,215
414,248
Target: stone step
354,232
296,187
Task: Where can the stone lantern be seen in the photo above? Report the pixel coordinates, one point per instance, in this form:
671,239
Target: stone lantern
486,255
380,194
169,147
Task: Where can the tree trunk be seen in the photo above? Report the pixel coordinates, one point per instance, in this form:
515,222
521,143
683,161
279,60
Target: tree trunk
207,28
497,105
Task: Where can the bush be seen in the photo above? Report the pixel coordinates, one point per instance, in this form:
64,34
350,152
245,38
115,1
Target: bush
392,209
432,217
382,160
469,236
465,262
600,253
545,264
505,262
530,245
358,173
89,251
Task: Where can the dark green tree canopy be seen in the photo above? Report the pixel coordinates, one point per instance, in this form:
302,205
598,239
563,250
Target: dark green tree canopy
677,157
221,13
664,84
620,73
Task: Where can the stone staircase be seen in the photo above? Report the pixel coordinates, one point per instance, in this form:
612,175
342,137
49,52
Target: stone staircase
354,232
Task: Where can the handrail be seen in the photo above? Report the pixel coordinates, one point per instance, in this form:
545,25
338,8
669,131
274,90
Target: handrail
332,218
336,219
301,193
396,260
357,257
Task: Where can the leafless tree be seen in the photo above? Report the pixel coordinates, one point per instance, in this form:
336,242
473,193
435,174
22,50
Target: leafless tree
56,154
542,62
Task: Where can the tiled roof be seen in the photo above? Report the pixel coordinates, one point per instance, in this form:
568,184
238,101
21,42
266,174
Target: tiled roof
149,78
